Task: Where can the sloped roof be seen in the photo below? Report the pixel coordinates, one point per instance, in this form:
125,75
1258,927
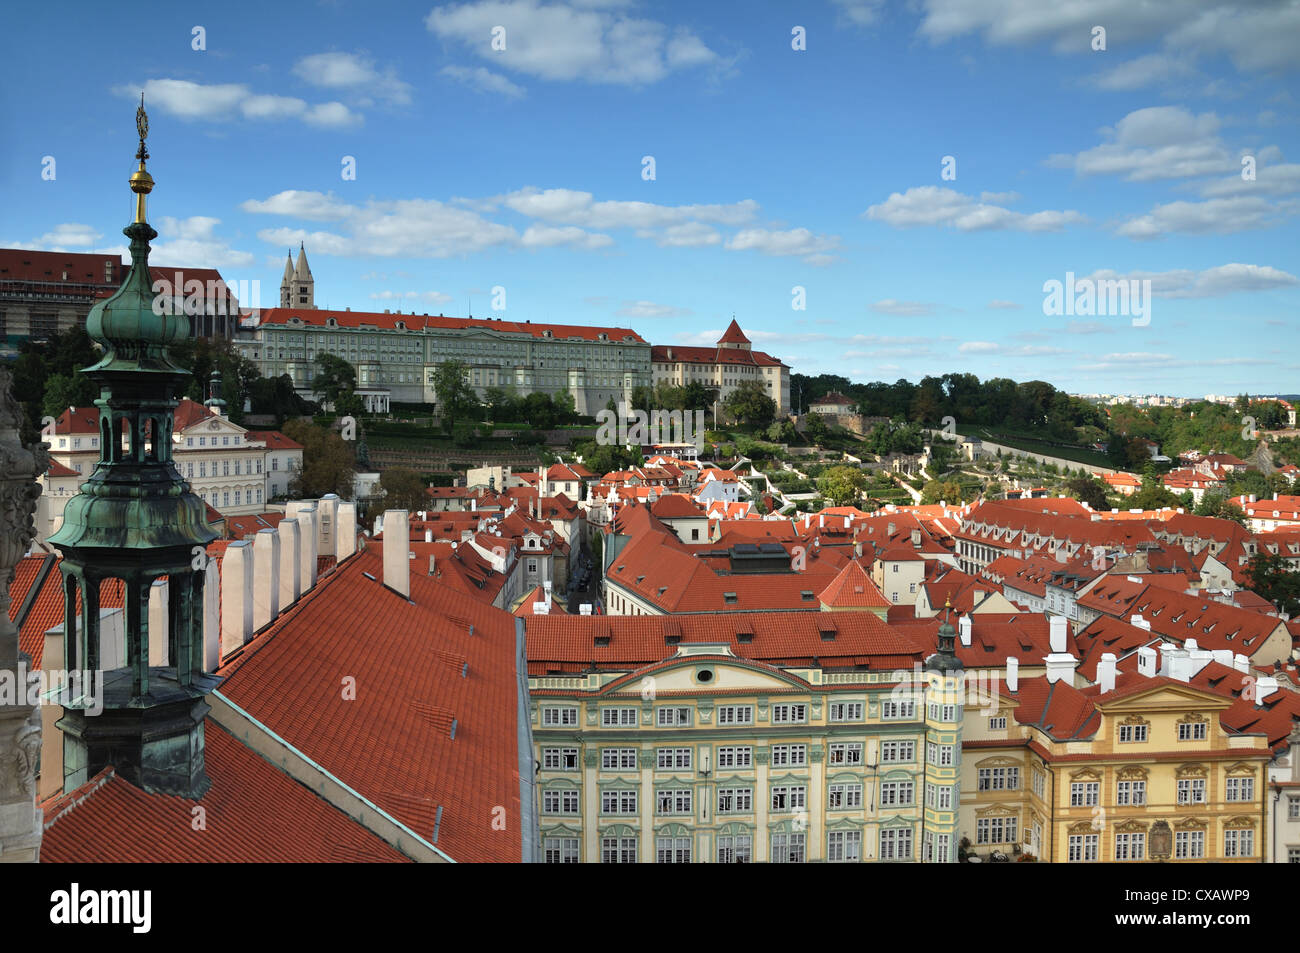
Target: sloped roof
853,589
253,813
415,322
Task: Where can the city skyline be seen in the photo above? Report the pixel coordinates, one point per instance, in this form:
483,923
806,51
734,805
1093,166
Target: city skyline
775,169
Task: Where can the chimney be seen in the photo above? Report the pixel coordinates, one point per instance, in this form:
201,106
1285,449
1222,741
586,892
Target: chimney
266,578
326,514
964,630
428,536
433,564
1140,622
889,530
848,521
211,618
307,550
1264,687
379,526
821,521
1013,673
158,629
290,563
1241,664
345,531
1059,628
1147,661
236,596
916,539
1173,661
1106,672
397,560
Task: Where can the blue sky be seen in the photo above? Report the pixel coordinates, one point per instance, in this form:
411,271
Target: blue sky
775,169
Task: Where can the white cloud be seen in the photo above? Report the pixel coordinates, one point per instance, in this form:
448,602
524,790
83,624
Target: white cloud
1210,283
859,12
193,242
978,347
794,241
903,308
483,80
1216,216
547,236
430,297
229,101
313,206
67,235
1159,142
353,73
649,309
999,304
1149,70
687,235
566,42
934,205
567,206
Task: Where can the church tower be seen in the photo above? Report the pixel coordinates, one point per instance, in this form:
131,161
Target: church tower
297,288
137,521
734,338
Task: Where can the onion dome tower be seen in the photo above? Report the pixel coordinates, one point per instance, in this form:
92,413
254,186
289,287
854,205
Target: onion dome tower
136,520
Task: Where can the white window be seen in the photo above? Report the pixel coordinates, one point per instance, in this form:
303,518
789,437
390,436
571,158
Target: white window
1193,731
735,800
225,498
896,792
949,713
896,843
897,751
560,759
676,801
554,717
669,759
789,714
203,469
1082,848
1039,782
844,796
1131,793
846,711
189,470
1293,808
997,724
735,849
617,717
561,850
995,830
1130,846
560,802
1240,789
844,847
1084,793
617,759
1189,845
237,496
788,797
998,779
789,755
672,716
673,850
735,756
787,848
1191,790
846,752
618,850
891,710
618,802
1129,733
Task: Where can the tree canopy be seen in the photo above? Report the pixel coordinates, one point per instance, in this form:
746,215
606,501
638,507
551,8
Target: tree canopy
327,462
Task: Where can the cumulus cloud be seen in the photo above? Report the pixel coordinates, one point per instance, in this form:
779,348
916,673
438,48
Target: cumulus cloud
352,73
1210,283
649,309
903,308
225,102
813,248
483,81
932,205
1159,142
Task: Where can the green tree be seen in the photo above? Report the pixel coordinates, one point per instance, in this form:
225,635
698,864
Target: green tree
750,405
403,490
842,485
1152,495
456,398
1088,490
1272,577
327,463
334,378
1215,503
63,391
941,491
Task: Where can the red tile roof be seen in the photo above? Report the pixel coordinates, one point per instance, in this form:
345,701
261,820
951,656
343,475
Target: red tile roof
252,813
415,322
274,440
853,589
392,743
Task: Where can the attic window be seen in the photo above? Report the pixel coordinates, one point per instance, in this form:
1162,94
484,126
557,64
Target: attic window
662,590
729,598
808,595
602,641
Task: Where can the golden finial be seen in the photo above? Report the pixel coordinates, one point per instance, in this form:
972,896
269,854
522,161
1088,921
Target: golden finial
141,180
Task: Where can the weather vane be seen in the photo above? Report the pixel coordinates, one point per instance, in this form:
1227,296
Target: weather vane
141,180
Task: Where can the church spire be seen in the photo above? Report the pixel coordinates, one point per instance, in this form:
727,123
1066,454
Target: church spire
137,522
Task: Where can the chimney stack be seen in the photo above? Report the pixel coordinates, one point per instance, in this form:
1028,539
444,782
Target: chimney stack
211,618
1147,661
326,514
1013,673
428,536
290,563
1060,663
1264,687
1241,663
964,630
397,560
1140,622
916,539
307,550
345,531
1106,672
1059,628
266,578
158,629
236,596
